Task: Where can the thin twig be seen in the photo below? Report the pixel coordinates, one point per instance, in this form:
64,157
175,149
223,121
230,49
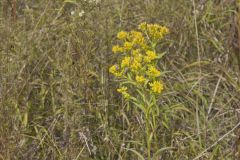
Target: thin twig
214,95
200,70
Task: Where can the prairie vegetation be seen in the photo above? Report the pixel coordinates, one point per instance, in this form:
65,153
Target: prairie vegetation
59,101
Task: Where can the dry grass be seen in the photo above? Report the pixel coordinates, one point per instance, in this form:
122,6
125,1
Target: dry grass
58,101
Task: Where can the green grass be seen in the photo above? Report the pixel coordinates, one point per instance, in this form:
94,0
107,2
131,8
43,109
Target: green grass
58,101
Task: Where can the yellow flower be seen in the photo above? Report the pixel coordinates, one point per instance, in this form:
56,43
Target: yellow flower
125,62
145,46
122,35
114,71
127,45
136,52
137,37
142,26
156,86
164,30
118,74
135,65
153,72
117,48
151,55
126,95
156,32
123,91
140,79
138,57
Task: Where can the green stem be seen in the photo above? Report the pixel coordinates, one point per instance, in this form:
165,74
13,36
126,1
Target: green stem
148,136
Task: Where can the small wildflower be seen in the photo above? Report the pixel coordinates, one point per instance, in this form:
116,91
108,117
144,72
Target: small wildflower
125,62
156,86
127,45
126,95
122,35
140,79
136,52
123,91
135,65
138,57
142,26
153,72
114,70
117,48
137,38
156,32
164,30
151,55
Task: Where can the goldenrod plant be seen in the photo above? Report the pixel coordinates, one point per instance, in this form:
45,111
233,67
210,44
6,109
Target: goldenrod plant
59,101
139,74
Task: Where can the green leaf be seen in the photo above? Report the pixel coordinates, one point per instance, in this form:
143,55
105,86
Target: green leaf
129,82
136,152
140,106
201,96
196,64
126,118
25,119
161,55
180,107
161,150
142,95
70,1
165,124
150,138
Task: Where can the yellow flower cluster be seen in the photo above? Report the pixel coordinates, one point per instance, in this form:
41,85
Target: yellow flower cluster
135,65
154,31
122,35
150,55
128,46
138,58
117,48
153,71
125,62
114,70
140,79
123,91
137,38
156,86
